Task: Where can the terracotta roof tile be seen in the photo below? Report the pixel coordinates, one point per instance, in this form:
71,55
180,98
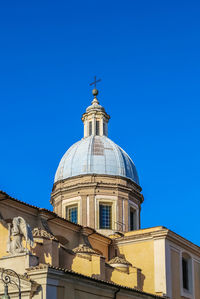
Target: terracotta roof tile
46,210
46,266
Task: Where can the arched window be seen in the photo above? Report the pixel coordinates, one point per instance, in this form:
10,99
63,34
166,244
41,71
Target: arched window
186,264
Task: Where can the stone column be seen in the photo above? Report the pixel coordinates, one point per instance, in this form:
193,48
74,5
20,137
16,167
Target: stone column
101,127
86,128
120,225
92,211
93,125
126,216
84,210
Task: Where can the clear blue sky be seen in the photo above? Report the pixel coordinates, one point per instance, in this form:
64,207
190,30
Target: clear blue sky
148,56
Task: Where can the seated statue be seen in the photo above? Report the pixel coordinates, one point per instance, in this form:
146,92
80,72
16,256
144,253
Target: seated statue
18,231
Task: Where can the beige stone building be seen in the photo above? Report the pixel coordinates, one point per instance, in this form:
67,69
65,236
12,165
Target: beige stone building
91,244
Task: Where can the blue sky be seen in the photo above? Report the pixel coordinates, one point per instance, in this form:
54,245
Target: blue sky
147,55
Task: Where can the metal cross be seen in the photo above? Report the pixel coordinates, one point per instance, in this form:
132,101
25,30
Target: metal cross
95,81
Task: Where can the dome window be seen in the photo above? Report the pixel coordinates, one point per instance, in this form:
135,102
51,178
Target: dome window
72,213
105,217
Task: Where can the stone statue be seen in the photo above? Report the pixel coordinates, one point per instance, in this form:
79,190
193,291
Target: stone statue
18,231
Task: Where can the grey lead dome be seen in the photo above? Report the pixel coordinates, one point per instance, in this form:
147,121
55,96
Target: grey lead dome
96,155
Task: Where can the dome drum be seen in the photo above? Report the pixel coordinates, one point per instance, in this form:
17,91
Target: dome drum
89,192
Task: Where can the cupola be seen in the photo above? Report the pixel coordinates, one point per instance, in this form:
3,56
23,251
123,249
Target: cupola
95,119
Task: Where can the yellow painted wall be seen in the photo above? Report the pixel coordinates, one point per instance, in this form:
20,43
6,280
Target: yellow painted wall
82,264
95,266
126,279
4,239
141,255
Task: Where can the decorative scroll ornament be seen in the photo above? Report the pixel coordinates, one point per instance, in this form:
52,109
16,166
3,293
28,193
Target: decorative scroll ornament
120,261
41,233
18,231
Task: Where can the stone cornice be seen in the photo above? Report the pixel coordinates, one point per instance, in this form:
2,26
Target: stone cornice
184,243
155,234
77,186
103,176
95,112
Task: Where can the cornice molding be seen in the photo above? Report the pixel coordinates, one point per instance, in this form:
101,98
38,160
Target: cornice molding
100,176
95,185
162,233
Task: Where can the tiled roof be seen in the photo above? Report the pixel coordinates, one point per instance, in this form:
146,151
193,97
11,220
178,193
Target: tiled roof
47,211
46,266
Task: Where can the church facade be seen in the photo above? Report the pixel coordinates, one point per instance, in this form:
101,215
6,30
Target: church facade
91,245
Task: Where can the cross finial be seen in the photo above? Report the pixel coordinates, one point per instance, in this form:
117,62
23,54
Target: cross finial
95,81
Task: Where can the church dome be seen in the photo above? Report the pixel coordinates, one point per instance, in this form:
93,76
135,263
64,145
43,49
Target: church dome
96,155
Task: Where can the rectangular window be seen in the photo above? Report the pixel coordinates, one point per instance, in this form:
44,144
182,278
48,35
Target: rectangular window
97,127
185,274
72,213
132,219
90,128
105,219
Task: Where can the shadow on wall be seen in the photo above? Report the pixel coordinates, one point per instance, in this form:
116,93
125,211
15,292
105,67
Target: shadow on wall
139,277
